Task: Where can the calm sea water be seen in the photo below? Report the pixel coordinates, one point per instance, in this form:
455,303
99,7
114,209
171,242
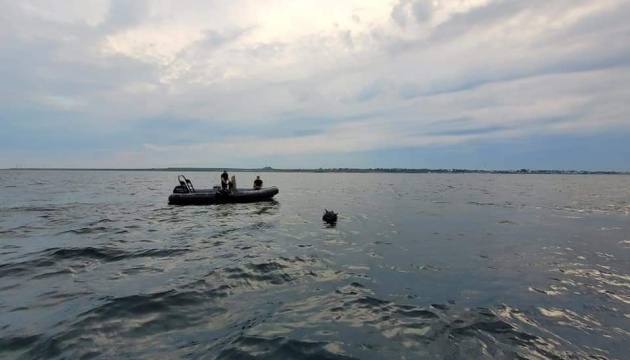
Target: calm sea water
419,266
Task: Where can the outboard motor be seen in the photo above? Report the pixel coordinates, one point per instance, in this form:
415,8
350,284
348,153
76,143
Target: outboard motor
185,186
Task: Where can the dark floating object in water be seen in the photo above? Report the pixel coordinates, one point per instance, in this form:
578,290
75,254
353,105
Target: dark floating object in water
329,216
185,194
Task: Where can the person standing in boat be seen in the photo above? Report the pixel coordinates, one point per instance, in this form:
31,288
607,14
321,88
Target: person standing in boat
258,183
225,180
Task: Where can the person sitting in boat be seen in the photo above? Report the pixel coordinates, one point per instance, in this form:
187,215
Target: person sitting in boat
224,180
258,183
232,184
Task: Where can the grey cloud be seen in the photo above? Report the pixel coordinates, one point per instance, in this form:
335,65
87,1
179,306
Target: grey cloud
346,37
596,41
124,13
585,60
467,131
10,18
197,54
409,91
17,70
481,18
60,58
214,39
611,27
370,91
422,10
399,13
405,11
494,13
452,121
308,132
33,67
267,51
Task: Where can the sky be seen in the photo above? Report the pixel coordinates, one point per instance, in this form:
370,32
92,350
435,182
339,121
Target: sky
476,84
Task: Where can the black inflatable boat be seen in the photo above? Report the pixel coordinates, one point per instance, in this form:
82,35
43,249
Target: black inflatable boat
185,194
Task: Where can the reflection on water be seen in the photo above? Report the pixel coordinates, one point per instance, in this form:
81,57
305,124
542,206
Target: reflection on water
96,264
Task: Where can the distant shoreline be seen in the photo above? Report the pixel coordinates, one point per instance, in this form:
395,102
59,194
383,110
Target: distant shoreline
349,170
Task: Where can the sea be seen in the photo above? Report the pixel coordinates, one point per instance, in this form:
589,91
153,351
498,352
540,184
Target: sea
96,264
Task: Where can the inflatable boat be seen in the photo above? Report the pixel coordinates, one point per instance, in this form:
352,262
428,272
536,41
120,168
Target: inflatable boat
185,194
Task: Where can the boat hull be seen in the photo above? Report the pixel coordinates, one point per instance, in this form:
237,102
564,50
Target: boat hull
214,196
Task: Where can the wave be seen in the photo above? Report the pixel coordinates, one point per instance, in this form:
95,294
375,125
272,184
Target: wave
203,319
250,347
437,331
93,230
52,257
17,342
274,272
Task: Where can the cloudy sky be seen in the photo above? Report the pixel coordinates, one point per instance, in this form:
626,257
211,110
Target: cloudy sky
328,83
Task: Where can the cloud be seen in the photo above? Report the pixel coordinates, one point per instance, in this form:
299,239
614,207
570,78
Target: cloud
406,11
533,106
303,77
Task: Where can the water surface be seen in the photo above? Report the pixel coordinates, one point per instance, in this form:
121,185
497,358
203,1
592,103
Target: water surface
435,266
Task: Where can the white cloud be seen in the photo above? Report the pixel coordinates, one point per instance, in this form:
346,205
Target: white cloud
155,43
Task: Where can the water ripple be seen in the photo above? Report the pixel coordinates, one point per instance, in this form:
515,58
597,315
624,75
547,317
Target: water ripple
97,265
